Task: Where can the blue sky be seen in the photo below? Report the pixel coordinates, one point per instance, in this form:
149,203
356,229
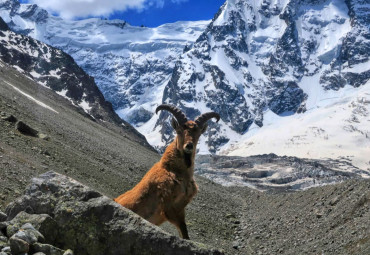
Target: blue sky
150,13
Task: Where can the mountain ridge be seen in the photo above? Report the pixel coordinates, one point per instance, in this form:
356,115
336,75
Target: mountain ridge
261,62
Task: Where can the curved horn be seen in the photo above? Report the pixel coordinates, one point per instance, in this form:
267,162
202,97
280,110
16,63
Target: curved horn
179,115
202,119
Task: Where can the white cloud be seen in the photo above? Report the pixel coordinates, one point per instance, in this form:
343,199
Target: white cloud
69,9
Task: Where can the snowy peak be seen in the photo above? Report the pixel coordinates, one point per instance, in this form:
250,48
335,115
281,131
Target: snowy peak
16,14
261,61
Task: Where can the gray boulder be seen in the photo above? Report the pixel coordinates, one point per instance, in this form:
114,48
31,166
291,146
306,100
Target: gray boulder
29,234
90,223
18,246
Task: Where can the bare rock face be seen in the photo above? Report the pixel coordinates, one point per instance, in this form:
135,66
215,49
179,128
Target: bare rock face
89,223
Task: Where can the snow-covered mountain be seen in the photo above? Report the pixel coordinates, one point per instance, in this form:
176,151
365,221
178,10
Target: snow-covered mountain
287,77
56,70
131,65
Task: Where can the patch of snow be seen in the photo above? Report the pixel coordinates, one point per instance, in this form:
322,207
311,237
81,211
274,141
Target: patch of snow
338,128
31,98
84,104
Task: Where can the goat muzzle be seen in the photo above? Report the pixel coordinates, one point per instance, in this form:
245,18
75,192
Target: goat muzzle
188,148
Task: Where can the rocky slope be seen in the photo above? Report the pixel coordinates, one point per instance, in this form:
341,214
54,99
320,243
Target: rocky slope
54,69
103,157
332,219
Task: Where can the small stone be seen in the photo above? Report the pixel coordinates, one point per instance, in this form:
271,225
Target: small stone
3,253
26,130
39,253
3,242
47,249
32,231
6,249
236,245
334,201
68,252
3,216
319,213
26,235
43,223
18,246
10,118
44,137
230,216
3,225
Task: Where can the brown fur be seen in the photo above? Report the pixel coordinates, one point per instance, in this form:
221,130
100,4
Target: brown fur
168,186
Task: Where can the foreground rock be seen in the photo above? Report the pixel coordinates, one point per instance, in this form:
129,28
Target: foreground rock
90,223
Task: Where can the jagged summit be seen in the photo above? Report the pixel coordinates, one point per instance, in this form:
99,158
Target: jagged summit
260,62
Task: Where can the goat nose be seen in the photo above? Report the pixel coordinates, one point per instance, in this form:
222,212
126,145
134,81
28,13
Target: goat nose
189,146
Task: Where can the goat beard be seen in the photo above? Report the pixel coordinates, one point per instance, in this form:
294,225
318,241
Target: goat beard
188,159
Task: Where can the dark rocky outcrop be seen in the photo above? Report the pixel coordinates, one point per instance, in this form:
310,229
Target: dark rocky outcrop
26,129
88,222
3,25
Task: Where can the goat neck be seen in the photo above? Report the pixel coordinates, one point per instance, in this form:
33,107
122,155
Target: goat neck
175,158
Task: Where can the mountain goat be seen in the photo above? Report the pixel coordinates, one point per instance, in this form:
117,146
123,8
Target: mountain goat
169,186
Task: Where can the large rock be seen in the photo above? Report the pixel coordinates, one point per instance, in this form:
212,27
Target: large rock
90,223
18,246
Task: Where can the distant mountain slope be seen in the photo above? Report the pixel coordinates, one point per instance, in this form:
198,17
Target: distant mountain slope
54,69
131,65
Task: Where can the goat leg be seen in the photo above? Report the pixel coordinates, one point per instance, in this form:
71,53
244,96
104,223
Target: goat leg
177,218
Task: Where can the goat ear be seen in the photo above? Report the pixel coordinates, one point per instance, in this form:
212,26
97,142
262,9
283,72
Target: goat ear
204,128
174,123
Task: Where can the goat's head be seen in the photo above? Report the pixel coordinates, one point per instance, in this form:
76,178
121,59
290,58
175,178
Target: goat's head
188,131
